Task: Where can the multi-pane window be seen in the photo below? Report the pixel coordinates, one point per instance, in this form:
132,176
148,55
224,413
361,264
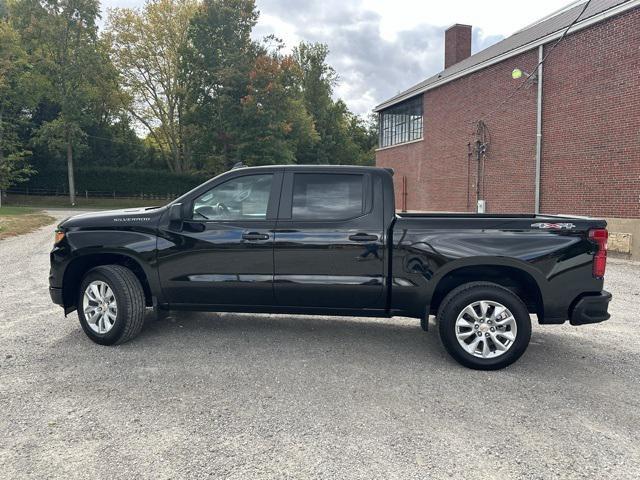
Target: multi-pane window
401,123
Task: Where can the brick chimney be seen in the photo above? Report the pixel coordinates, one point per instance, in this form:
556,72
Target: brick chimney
457,44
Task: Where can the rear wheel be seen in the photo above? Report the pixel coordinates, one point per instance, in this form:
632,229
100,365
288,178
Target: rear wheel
111,304
484,326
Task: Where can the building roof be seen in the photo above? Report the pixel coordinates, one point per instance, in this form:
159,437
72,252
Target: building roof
529,37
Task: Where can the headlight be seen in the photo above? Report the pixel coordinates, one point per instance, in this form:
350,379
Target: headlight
59,236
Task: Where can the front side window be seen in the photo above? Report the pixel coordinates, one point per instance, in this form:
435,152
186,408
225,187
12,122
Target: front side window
401,123
319,196
242,198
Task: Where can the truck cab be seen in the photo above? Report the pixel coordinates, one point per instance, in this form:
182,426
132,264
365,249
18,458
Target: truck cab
313,239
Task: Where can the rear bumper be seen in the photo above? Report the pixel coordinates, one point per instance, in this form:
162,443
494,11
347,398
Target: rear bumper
591,309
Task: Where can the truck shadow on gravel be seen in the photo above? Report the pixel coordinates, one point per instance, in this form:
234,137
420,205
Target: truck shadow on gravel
368,341
293,333
385,340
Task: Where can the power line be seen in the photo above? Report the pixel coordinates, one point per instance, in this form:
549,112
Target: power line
566,8
533,72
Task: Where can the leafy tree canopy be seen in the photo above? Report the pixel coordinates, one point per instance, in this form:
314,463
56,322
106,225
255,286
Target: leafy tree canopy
180,85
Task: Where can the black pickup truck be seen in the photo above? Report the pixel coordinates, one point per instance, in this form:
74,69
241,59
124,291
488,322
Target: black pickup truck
327,240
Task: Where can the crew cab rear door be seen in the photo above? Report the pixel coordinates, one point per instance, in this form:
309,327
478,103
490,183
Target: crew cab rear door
223,254
329,249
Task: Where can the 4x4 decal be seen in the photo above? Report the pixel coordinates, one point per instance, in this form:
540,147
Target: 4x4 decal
553,226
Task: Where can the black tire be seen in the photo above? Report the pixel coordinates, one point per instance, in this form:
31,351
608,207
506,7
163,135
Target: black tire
458,299
130,300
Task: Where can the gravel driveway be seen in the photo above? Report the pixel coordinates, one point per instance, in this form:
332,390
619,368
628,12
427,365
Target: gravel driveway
280,396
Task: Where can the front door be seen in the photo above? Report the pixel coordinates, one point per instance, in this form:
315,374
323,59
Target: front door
329,243
223,254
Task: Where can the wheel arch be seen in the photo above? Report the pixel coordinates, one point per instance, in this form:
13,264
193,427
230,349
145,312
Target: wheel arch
80,265
521,279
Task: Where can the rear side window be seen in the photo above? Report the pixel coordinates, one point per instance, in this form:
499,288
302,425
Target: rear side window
320,196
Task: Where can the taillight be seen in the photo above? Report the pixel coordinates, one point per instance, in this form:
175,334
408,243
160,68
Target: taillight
600,236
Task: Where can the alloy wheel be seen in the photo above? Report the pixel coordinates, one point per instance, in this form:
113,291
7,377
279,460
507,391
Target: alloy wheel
100,307
486,329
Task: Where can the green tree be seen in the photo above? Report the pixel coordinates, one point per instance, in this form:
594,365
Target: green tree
111,137
275,122
221,62
318,81
14,164
148,48
364,136
61,38
344,138
186,71
247,100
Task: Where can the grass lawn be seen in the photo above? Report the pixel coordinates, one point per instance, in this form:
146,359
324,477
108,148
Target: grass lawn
19,220
11,210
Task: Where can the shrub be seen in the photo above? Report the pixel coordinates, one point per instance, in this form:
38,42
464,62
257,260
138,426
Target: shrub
121,181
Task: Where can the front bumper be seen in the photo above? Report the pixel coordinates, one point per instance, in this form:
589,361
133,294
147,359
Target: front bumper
591,309
56,296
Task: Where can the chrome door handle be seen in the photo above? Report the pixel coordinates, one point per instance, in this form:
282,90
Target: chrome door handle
363,237
255,236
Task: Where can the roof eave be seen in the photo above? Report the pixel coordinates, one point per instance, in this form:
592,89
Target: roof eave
623,7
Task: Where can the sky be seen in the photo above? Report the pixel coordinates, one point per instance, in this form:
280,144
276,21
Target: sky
382,47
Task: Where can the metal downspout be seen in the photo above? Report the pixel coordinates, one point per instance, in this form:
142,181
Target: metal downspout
538,130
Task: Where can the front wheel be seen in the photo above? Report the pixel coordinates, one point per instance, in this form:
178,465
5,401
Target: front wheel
484,326
111,304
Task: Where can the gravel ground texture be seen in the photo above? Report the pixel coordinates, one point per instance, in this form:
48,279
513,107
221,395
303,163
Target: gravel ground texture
244,396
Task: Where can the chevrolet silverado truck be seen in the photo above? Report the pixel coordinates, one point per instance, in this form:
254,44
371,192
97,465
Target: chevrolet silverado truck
327,240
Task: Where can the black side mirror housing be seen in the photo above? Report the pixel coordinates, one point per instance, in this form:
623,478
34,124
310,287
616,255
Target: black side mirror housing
175,216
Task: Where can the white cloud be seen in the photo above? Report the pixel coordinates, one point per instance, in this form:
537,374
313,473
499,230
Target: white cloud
497,17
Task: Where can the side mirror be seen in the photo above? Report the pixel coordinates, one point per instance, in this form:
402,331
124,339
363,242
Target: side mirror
175,216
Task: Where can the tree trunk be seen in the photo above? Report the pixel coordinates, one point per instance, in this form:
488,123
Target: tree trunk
1,151
72,183
1,130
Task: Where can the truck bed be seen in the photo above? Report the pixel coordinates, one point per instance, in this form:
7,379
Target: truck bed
506,221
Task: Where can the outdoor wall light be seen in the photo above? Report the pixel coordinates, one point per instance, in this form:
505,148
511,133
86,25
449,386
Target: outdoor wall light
517,74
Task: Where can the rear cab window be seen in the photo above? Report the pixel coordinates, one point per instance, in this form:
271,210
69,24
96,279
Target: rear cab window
327,196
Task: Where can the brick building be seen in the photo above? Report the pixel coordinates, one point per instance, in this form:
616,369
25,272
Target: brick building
566,140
